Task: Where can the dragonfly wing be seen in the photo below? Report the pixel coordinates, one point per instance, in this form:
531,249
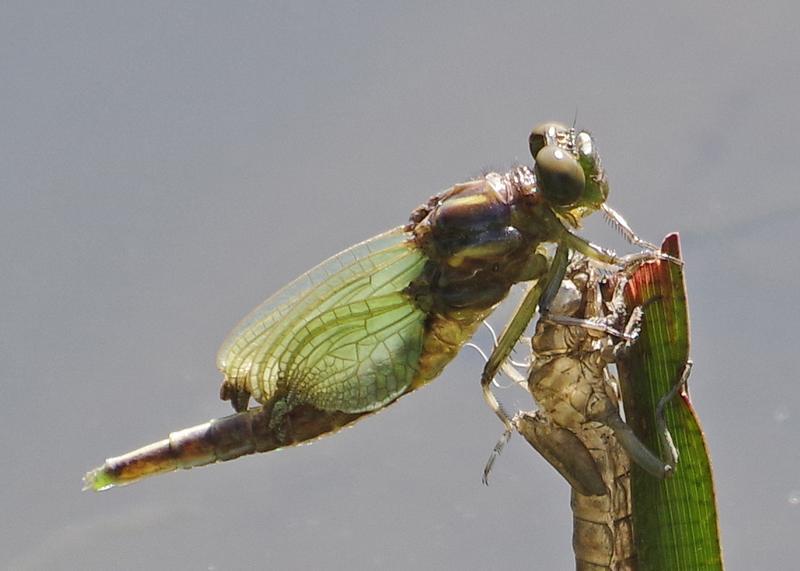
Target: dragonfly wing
344,336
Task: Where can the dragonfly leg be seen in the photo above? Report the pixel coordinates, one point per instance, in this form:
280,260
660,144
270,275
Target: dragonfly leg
609,257
496,451
593,324
635,448
637,451
554,278
664,435
615,219
605,324
546,287
629,335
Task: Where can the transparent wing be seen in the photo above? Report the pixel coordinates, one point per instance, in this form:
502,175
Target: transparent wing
342,337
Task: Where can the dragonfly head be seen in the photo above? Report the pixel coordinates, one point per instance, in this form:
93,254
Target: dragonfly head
568,171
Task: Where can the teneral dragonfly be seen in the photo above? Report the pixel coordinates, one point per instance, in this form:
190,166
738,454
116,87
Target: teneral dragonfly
384,317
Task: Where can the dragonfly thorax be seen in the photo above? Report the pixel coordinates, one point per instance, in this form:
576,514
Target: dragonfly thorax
481,237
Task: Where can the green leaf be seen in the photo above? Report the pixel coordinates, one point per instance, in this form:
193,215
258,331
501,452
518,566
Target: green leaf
675,520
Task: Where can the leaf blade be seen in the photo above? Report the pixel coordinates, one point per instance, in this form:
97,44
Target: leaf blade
675,520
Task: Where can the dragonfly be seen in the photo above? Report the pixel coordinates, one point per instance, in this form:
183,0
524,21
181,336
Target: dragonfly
384,317
578,428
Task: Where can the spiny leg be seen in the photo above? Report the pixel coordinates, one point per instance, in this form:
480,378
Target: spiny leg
617,221
496,451
608,257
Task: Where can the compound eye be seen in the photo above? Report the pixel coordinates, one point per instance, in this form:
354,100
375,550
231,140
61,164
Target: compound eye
543,135
584,144
559,176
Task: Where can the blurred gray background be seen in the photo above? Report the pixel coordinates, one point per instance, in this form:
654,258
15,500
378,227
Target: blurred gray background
166,166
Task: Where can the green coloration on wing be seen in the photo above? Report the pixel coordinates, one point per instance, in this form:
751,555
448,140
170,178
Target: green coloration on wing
344,336
675,520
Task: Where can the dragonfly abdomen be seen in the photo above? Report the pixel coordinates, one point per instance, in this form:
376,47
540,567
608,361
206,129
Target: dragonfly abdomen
602,536
217,440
